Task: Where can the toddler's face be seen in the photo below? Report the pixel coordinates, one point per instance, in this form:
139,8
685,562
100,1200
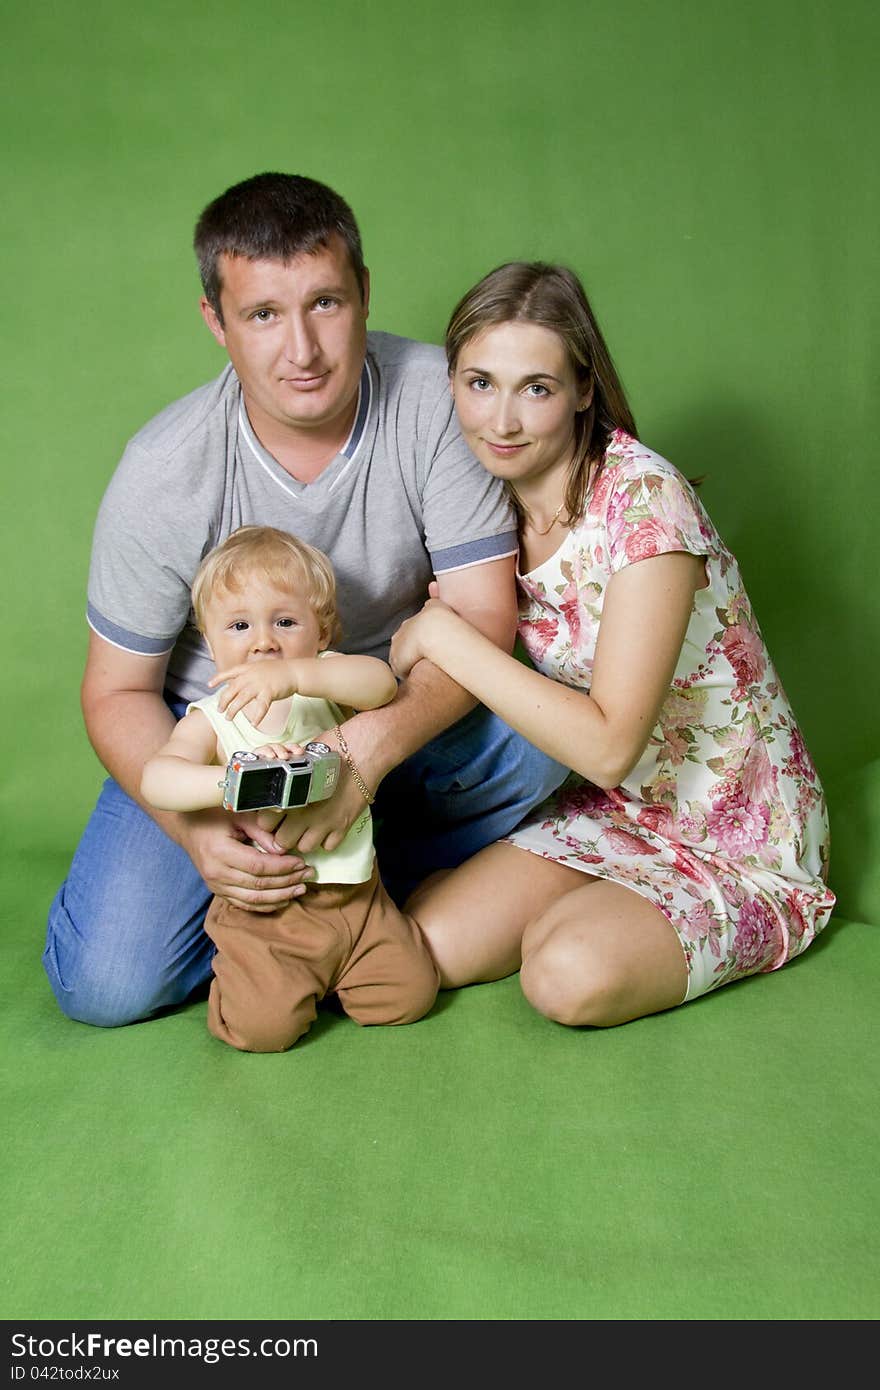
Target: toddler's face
261,623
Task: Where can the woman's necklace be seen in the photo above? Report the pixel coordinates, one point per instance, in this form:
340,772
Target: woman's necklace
553,520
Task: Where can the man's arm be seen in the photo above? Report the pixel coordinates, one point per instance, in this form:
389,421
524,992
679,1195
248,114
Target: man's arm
127,721
428,702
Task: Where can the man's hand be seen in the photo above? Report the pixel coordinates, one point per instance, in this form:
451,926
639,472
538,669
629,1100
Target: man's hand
322,824
218,844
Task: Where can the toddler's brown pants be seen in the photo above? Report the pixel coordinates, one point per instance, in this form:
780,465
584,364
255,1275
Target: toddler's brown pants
271,969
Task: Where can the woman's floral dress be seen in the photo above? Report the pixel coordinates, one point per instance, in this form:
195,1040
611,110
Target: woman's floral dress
723,823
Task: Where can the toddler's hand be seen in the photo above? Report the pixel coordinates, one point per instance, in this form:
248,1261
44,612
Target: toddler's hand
280,750
254,683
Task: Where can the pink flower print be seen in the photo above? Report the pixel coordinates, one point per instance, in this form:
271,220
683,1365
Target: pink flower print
600,491
798,925
758,778
682,514
537,635
756,936
684,708
745,651
699,927
570,608
661,791
650,537
584,857
622,842
677,747
692,822
800,762
583,799
739,826
616,523
691,867
657,819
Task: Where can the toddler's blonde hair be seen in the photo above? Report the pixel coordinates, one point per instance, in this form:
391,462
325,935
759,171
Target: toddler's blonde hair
277,556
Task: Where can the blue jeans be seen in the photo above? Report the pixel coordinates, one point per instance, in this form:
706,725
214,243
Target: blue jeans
125,936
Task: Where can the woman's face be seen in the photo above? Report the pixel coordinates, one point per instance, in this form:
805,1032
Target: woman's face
516,396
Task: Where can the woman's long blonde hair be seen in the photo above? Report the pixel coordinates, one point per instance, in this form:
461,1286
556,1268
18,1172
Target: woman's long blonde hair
552,297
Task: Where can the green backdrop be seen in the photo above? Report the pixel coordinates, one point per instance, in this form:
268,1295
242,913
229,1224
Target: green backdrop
710,171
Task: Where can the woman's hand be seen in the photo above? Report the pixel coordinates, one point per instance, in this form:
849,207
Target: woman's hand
411,640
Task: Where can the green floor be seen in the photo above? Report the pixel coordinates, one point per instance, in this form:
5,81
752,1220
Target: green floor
716,1162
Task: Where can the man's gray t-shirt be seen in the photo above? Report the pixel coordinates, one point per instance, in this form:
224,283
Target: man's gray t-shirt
404,500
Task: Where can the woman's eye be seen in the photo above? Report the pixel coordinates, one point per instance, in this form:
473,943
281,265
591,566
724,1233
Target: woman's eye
479,383
536,388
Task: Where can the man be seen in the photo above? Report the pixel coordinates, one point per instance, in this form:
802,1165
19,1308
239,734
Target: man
348,440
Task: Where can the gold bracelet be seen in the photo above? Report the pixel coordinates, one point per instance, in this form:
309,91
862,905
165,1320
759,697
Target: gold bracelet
358,780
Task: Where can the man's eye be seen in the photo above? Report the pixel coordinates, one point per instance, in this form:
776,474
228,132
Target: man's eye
326,301
263,315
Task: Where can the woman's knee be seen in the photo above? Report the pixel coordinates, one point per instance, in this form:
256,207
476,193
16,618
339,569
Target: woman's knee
566,982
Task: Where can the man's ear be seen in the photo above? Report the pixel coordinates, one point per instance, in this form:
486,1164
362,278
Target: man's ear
211,318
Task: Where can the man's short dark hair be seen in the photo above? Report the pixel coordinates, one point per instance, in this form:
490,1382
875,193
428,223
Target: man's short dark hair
272,217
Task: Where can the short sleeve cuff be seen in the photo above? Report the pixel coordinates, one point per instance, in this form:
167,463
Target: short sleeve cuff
459,557
121,637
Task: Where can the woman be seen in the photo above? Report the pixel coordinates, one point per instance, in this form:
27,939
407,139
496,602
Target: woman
690,846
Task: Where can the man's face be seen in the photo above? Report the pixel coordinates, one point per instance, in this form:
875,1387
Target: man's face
296,334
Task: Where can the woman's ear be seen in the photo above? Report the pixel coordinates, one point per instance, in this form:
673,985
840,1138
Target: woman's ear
586,399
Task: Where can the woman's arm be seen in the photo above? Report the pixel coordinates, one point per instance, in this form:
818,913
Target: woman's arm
600,735
361,682
184,774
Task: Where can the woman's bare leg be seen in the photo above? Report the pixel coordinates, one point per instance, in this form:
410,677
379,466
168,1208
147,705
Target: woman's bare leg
589,951
473,917
602,955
